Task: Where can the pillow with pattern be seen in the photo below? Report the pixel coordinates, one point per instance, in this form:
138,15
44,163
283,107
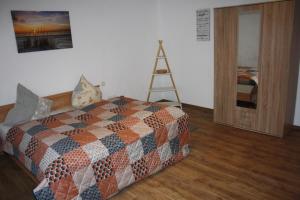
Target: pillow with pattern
43,109
85,94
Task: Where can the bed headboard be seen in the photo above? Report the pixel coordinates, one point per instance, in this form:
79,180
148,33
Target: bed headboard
60,100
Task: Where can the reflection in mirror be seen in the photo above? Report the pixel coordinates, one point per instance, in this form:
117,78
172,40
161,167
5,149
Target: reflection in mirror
248,58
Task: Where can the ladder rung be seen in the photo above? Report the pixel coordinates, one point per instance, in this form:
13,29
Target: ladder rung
159,74
161,57
162,89
170,103
161,71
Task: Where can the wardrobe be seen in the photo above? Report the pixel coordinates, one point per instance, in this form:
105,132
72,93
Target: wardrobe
256,66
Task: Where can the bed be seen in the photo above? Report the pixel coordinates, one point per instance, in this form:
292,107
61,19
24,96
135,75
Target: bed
247,85
96,151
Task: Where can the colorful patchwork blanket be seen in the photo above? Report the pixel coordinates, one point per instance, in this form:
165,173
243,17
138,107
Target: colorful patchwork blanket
94,152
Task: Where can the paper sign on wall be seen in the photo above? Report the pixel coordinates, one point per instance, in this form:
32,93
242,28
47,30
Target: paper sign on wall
203,24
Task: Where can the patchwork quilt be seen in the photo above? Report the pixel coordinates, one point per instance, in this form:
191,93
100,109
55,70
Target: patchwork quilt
94,152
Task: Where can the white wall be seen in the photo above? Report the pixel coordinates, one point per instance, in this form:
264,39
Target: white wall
297,111
192,61
114,41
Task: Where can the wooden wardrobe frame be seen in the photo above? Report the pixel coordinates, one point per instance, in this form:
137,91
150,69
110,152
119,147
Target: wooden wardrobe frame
275,110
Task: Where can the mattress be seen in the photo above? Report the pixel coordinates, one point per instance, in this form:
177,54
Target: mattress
247,89
3,131
95,152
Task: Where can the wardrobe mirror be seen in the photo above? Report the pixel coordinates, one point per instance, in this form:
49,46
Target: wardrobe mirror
249,34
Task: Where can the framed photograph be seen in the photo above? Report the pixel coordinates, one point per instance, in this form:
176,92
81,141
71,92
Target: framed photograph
42,30
203,24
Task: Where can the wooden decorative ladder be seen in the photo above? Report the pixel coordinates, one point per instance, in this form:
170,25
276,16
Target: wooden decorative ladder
161,55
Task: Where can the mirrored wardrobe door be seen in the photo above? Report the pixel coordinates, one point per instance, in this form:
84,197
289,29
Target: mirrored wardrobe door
248,65
248,57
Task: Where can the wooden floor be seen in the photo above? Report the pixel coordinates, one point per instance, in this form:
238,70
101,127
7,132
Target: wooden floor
225,163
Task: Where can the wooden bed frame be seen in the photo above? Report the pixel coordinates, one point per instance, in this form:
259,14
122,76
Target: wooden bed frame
24,169
60,100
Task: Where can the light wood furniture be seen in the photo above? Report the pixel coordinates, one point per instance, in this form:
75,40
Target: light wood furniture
166,71
277,68
60,100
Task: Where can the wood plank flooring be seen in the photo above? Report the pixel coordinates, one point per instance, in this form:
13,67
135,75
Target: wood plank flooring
225,163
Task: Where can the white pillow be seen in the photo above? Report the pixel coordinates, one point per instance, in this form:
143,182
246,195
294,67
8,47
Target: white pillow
85,94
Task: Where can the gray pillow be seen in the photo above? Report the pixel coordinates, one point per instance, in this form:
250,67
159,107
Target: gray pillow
18,114
28,105
24,108
26,98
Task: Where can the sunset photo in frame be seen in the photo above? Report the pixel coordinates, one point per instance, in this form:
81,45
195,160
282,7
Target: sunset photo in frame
42,30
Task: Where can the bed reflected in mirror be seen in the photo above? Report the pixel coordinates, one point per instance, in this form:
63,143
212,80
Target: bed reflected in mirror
248,58
247,86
